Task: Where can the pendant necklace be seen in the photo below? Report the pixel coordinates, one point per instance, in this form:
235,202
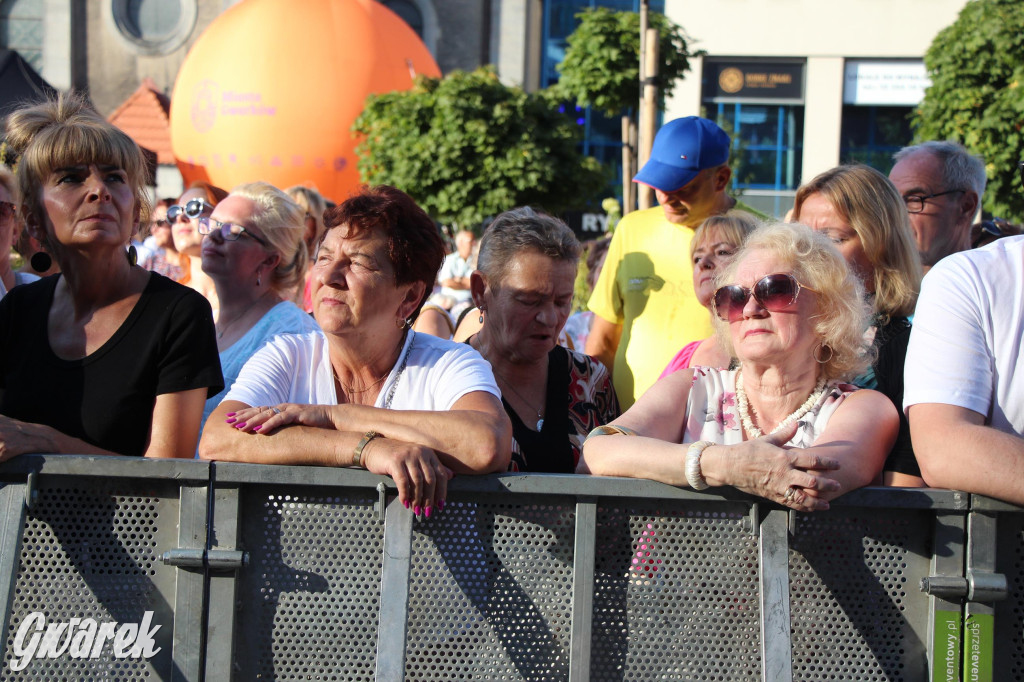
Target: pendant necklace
745,410
540,416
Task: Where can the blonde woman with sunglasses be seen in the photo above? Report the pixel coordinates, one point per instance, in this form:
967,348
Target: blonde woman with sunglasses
784,426
253,251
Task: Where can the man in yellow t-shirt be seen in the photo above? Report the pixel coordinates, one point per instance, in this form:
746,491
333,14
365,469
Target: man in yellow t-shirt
644,305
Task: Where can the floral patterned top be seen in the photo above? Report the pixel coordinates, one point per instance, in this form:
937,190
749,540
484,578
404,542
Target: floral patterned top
712,414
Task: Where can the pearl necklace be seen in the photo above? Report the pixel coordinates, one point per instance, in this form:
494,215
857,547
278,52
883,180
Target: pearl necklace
753,431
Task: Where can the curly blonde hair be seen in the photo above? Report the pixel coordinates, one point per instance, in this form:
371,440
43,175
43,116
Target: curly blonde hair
813,259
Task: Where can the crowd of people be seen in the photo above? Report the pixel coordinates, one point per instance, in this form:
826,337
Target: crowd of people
794,360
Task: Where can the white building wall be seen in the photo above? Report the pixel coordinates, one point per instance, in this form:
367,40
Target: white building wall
824,32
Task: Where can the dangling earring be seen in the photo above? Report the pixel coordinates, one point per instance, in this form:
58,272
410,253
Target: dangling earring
819,351
259,279
133,255
41,261
481,314
402,324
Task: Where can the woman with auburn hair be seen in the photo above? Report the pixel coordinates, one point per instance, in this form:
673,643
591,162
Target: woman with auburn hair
104,357
367,391
784,425
862,213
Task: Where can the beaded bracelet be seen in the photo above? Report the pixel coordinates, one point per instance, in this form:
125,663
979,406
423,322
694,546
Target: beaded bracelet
694,476
357,454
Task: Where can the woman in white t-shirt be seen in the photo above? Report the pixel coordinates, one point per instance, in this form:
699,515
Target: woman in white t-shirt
367,391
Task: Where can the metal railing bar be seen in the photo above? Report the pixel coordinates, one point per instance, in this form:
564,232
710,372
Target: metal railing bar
582,591
776,629
394,593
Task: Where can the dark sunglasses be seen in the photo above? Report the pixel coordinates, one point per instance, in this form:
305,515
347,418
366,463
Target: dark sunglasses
193,209
229,232
774,293
7,210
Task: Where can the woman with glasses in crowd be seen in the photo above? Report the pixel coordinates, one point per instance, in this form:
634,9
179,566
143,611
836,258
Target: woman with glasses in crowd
105,357
783,426
253,251
866,218
10,230
158,244
367,391
196,202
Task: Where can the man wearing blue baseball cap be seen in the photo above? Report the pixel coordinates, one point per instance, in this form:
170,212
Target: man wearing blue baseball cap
644,305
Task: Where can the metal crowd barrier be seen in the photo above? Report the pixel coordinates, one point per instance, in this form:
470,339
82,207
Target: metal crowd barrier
125,569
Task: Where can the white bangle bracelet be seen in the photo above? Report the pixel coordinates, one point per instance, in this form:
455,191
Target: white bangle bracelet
693,473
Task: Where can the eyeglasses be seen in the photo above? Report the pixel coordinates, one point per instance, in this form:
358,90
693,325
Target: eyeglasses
774,293
193,209
229,232
915,202
7,210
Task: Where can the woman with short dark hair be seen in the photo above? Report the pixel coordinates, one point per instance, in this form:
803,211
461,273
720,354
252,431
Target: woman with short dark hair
368,391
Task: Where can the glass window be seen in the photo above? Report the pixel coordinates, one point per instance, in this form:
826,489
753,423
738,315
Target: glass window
872,134
21,29
602,136
768,140
152,20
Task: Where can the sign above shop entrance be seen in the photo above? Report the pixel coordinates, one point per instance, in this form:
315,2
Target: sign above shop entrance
873,83
746,81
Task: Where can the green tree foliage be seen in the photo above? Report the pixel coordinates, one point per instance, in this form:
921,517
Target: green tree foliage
976,97
602,60
467,147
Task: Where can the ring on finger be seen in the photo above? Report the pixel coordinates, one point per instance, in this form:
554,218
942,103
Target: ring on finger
788,495
275,410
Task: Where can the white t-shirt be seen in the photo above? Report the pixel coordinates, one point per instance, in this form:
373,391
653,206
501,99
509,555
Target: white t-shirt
965,347
296,368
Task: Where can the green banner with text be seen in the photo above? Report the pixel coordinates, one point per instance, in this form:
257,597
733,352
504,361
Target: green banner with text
946,647
978,650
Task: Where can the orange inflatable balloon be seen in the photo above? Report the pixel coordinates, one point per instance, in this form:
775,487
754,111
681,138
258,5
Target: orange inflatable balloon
271,89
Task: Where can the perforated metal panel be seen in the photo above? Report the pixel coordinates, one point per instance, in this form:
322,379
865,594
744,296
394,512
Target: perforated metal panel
1009,643
92,552
676,596
856,610
309,598
491,593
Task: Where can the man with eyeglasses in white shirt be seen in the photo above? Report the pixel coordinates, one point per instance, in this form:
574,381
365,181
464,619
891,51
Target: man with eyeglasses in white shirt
942,184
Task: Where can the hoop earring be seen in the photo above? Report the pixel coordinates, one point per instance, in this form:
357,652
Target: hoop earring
819,351
41,261
402,324
133,255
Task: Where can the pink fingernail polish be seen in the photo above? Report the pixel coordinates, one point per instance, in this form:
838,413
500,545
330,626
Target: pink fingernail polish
427,511
440,505
230,421
257,428
405,503
230,414
416,510
240,426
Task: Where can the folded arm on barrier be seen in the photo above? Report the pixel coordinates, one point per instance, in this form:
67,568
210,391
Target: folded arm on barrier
849,454
957,450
